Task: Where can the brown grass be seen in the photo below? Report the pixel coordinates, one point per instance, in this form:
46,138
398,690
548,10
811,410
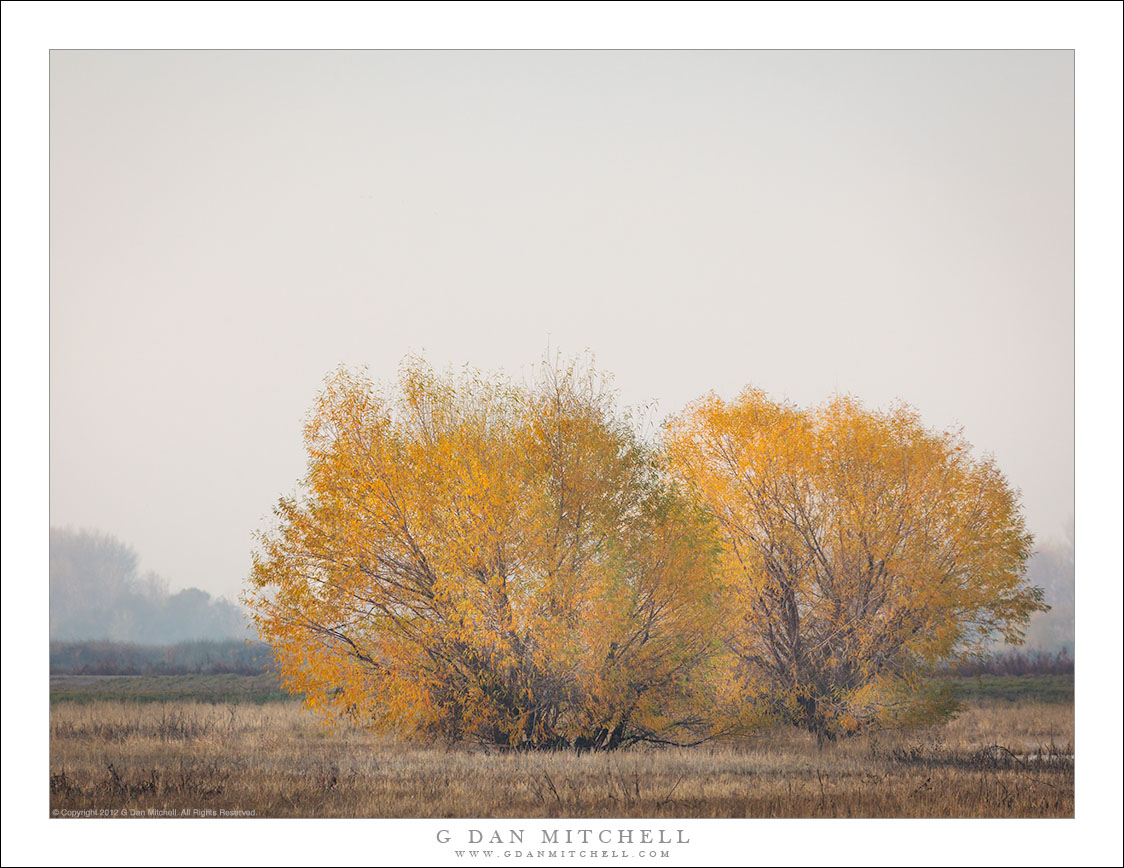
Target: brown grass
998,759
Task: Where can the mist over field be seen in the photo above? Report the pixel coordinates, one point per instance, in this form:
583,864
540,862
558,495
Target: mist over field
97,592
1052,569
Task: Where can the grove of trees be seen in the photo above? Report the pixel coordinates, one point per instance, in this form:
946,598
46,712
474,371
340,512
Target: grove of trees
512,564
97,592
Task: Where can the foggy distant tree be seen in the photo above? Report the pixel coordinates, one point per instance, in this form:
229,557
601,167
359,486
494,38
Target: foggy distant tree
1052,568
96,592
91,574
192,613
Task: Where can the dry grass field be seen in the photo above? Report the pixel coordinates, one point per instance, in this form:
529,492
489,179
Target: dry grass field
1000,758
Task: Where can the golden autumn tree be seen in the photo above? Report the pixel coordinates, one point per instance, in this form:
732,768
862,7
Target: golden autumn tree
859,550
474,559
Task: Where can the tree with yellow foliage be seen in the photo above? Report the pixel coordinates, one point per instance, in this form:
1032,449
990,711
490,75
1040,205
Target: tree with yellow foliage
474,559
858,550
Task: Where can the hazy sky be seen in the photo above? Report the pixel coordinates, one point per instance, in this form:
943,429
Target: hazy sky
227,227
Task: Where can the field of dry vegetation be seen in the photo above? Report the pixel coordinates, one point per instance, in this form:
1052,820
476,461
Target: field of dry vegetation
1000,758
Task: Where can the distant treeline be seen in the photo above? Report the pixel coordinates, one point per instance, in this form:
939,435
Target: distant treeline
98,593
186,658
1018,663
252,658
1052,569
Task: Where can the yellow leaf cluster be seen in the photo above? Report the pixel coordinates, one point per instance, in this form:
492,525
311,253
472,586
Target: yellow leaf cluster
476,559
859,549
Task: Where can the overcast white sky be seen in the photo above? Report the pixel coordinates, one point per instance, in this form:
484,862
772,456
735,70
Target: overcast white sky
227,227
